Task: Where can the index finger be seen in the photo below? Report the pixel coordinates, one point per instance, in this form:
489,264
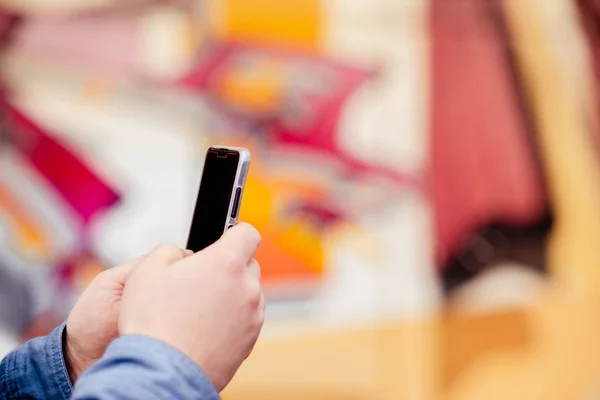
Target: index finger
163,255
243,239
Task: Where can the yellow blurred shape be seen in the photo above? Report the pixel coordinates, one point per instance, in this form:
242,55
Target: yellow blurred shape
389,362
288,246
257,89
304,241
292,248
257,202
292,22
548,351
279,265
570,162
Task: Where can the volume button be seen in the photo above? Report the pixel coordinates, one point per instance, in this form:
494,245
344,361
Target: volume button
236,203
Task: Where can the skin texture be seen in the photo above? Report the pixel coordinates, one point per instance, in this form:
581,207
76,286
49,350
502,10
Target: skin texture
208,305
92,324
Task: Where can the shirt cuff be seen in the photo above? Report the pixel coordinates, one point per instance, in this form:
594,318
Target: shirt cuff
37,369
165,358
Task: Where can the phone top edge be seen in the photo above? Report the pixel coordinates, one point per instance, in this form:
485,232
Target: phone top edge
244,155
229,148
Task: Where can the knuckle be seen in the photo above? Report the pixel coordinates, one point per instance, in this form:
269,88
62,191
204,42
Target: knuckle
232,259
254,293
167,253
166,249
254,302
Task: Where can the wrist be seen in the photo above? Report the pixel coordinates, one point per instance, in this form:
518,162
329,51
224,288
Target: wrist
72,361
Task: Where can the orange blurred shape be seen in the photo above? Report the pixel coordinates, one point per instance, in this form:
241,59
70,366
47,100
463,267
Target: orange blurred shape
29,238
292,248
257,203
293,22
257,89
303,240
279,265
467,340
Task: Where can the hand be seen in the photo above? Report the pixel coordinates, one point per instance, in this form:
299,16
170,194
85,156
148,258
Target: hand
209,305
92,324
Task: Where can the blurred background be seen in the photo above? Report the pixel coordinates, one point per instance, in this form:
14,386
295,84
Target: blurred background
425,177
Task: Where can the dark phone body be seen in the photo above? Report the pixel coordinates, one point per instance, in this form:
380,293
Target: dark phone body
220,195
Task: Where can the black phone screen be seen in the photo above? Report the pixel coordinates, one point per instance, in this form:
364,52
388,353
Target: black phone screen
214,196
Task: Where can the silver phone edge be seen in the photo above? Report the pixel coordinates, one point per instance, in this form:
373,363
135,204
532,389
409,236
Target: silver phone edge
239,182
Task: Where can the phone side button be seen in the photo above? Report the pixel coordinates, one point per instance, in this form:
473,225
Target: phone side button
236,203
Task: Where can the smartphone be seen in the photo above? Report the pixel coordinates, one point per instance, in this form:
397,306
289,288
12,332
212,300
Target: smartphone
220,195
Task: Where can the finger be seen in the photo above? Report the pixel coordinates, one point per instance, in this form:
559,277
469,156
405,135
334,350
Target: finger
164,255
120,273
254,268
243,239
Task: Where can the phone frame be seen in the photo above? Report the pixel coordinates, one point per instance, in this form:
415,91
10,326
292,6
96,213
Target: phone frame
238,183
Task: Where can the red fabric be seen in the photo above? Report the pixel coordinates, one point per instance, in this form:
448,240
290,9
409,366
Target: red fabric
79,186
315,113
483,169
589,12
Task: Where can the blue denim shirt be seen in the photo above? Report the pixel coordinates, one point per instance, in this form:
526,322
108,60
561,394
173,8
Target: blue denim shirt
133,367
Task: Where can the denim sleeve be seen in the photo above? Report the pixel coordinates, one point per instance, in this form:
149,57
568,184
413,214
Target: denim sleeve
36,370
138,367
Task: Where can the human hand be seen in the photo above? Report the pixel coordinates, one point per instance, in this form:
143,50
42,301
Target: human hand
209,305
92,324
